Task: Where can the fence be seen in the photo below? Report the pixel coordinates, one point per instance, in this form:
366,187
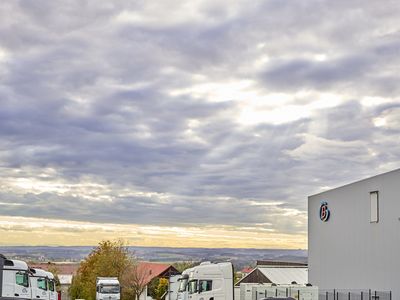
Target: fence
296,292
354,295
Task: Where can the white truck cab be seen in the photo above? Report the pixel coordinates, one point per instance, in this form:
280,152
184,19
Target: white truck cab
215,282
53,295
14,279
211,282
173,287
108,288
183,285
39,284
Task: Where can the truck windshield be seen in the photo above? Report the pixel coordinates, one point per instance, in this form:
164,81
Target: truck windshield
21,278
42,284
109,289
182,284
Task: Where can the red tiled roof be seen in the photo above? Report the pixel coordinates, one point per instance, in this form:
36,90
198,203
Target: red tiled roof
247,270
63,269
154,270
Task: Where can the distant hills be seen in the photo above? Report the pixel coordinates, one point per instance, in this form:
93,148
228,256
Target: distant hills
239,257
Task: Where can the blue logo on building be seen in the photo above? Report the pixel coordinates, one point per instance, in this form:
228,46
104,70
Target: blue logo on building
324,212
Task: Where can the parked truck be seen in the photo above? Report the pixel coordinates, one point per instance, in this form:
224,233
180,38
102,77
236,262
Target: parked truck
53,295
39,282
210,281
108,288
173,287
14,279
182,293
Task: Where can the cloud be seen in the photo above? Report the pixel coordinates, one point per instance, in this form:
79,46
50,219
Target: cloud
211,114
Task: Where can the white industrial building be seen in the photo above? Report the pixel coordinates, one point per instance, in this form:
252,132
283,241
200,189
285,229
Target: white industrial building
354,235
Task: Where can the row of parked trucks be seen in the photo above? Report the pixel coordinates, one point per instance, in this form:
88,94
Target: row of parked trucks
210,281
18,281
207,281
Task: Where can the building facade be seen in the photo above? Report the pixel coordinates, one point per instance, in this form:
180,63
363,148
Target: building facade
354,235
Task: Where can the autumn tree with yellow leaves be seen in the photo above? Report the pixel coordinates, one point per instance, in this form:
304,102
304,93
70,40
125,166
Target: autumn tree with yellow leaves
108,259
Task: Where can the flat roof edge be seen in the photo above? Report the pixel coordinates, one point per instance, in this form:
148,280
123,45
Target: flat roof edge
355,182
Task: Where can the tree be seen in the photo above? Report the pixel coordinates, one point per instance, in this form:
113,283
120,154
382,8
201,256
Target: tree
75,290
134,281
158,287
53,269
108,259
238,276
183,265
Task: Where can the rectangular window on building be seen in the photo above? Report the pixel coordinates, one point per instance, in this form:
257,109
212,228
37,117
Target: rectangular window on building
374,198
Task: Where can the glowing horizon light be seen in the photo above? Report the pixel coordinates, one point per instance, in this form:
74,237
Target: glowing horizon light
24,231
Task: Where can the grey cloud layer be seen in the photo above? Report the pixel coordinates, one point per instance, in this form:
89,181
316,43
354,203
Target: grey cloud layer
189,211
87,91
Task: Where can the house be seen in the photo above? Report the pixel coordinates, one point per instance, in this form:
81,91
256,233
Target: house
152,271
245,271
277,272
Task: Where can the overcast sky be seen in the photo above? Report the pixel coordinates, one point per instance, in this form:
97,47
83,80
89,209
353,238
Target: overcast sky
190,123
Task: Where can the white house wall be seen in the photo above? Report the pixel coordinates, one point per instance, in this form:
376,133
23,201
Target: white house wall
143,296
